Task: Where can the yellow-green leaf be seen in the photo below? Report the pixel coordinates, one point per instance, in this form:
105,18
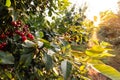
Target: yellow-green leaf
97,49
92,53
108,71
8,3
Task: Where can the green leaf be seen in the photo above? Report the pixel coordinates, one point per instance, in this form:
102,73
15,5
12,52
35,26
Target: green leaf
50,13
66,69
105,44
26,59
8,74
41,34
29,44
48,61
97,49
40,44
108,71
46,43
92,53
106,55
8,3
78,47
6,58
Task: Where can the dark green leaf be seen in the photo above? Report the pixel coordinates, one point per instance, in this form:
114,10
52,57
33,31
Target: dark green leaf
66,69
26,59
48,61
6,58
50,13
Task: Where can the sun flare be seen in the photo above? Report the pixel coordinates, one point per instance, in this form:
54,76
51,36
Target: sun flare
96,6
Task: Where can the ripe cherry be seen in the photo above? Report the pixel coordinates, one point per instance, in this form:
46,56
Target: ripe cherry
14,23
21,33
3,36
26,26
18,32
18,23
24,38
25,29
3,44
29,35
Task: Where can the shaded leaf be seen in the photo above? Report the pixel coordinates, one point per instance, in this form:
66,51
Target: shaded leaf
26,59
78,47
8,74
50,13
6,58
48,61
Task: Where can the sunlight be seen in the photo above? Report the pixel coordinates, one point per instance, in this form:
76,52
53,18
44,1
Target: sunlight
96,6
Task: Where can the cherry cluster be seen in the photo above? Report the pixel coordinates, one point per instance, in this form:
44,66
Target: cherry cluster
16,29
22,30
2,45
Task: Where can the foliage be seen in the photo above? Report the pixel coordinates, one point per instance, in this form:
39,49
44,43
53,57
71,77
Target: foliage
109,27
34,48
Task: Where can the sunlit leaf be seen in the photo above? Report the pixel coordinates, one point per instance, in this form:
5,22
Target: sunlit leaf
106,55
29,43
8,74
108,71
97,49
46,43
92,53
41,34
77,54
40,44
8,3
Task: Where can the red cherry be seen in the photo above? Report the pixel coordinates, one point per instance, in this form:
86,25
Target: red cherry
22,34
17,31
14,23
7,33
18,23
11,34
25,29
24,38
3,44
26,26
29,35
3,36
